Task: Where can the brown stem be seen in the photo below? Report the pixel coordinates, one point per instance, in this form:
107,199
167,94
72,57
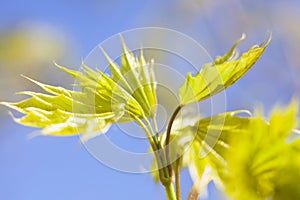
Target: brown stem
172,119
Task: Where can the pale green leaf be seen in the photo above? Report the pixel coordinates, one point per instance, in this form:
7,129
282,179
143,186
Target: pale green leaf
220,74
248,156
140,77
201,142
127,95
136,77
212,136
263,163
56,115
283,116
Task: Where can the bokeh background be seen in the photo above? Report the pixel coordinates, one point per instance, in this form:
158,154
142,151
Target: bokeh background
33,34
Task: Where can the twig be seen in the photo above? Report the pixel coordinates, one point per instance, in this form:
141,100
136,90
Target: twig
172,119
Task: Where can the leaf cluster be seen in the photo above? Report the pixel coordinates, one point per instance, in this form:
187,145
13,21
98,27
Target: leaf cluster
250,157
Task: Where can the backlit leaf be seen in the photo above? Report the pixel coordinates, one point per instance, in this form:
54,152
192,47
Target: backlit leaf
263,163
129,94
220,74
201,142
211,140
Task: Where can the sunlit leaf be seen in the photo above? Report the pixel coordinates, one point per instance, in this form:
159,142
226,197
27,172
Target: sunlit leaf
140,78
136,76
288,186
220,74
248,156
283,120
107,93
201,142
129,94
55,113
212,136
263,163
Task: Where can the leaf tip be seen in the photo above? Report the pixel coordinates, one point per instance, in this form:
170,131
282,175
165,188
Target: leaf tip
34,134
17,120
30,79
266,40
243,36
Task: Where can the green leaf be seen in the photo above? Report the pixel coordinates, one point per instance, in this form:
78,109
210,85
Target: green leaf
283,120
107,92
288,186
262,164
211,140
136,76
140,77
220,74
60,123
128,95
56,115
249,156
202,141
